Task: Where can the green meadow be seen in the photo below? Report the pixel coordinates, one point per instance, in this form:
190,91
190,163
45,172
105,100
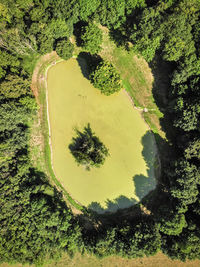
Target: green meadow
128,173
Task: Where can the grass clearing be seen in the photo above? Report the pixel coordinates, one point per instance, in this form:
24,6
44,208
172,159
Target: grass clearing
73,103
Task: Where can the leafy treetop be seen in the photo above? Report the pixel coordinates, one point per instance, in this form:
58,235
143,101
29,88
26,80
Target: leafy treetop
64,48
87,149
92,38
106,78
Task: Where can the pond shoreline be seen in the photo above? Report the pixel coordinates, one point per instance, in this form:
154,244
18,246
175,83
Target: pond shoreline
49,119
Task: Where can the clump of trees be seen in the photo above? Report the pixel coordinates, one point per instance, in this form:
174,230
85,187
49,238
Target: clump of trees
64,48
106,78
91,38
87,149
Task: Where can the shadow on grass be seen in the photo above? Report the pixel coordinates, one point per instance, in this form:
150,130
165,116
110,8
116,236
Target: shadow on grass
119,38
162,72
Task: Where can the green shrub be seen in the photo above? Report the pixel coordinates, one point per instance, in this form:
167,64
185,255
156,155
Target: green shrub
106,78
64,48
87,149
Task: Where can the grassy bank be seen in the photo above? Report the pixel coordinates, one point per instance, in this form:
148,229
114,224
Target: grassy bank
137,79
159,260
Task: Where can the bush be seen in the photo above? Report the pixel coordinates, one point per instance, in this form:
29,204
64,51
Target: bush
64,48
87,149
106,78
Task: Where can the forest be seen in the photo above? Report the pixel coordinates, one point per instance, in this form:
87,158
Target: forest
36,225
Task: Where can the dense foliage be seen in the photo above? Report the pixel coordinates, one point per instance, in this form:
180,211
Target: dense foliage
91,38
106,78
87,149
35,223
170,30
64,48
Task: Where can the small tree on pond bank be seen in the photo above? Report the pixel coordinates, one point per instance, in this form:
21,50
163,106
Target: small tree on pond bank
87,149
106,78
64,48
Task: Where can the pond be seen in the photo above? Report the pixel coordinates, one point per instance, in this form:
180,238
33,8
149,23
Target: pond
128,173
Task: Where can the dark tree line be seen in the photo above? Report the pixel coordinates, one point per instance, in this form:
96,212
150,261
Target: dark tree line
35,223
170,29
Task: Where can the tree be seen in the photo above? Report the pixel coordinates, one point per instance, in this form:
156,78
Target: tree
58,28
147,34
178,38
64,48
92,38
186,245
14,86
170,221
192,149
187,117
135,240
35,222
45,43
131,5
16,41
184,178
106,78
8,62
111,13
87,8
87,149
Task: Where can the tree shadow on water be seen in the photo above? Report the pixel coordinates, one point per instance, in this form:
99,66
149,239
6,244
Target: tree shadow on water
88,63
120,202
82,61
145,184
149,150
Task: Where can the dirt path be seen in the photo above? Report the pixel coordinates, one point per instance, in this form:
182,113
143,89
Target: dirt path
38,78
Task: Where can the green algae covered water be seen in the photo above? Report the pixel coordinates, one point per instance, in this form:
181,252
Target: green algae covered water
127,175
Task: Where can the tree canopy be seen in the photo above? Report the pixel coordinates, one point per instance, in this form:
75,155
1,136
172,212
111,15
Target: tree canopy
64,48
87,149
91,38
106,78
